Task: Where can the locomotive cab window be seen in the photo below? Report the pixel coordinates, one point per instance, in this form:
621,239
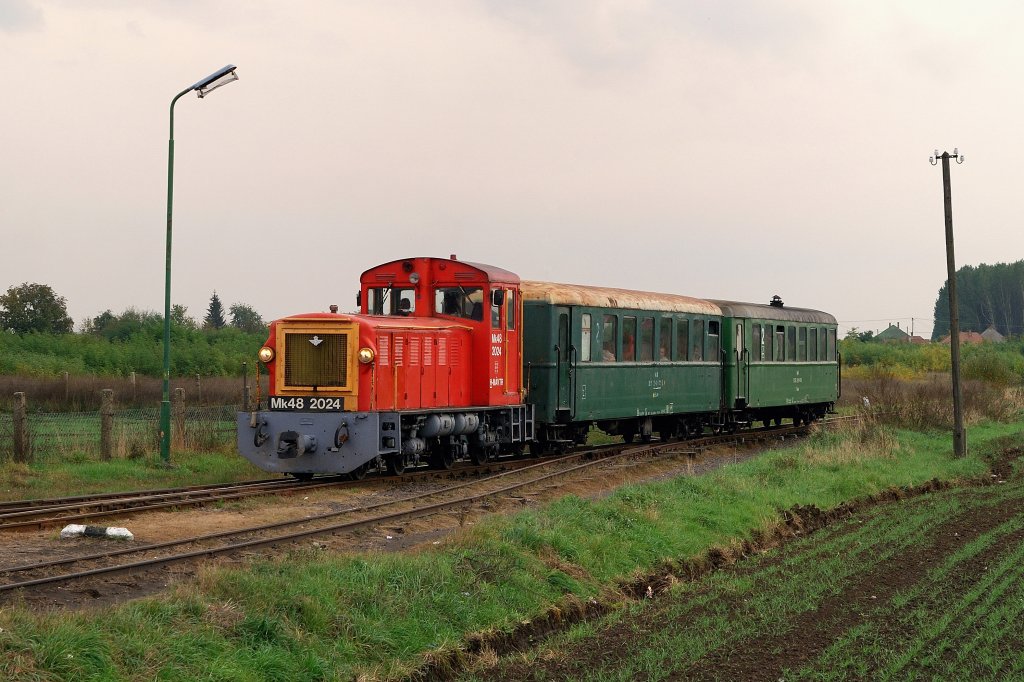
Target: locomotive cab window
510,309
584,337
388,301
464,302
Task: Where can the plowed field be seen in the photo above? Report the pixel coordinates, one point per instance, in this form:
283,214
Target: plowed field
930,587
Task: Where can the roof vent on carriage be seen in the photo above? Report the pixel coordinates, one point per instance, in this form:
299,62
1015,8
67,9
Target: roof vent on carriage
776,301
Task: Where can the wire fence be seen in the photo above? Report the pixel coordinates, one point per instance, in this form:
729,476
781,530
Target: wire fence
134,433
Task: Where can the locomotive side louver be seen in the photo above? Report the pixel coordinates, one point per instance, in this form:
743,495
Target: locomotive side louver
319,360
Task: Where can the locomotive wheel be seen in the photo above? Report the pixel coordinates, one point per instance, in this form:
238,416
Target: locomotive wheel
445,459
359,473
480,456
396,465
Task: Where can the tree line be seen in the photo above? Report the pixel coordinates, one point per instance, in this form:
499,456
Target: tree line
37,338
987,296
36,308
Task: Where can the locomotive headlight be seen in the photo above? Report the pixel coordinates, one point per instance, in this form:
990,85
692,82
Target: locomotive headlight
366,355
266,354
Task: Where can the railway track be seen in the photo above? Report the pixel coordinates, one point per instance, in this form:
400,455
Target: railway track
523,474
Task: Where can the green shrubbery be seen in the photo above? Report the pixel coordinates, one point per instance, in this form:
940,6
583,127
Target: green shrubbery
211,352
996,363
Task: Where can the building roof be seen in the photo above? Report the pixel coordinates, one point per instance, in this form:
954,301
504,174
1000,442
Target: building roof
966,337
992,334
892,333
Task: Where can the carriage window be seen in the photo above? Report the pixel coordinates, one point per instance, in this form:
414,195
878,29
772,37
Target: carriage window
802,345
822,344
713,343
758,350
697,353
460,302
510,309
629,339
646,339
388,301
609,334
780,343
682,338
584,337
791,344
812,350
768,337
831,344
665,338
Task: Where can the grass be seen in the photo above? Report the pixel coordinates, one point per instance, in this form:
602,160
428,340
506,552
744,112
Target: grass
76,476
314,615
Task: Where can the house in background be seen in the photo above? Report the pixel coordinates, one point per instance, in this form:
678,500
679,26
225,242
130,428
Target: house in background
992,336
893,334
966,337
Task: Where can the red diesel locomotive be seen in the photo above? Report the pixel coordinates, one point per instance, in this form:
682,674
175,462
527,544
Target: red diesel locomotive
429,369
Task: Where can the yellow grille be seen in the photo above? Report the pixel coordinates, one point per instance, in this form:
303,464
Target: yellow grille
316,360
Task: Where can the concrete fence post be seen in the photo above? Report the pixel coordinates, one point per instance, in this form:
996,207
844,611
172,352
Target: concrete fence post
107,424
22,447
178,413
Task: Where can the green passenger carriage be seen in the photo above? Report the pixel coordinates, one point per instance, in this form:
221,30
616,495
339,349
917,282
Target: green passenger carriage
637,363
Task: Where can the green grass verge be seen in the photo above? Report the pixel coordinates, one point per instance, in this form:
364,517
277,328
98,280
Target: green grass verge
317,616
79,476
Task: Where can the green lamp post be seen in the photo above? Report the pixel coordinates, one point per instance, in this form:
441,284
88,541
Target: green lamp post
202,88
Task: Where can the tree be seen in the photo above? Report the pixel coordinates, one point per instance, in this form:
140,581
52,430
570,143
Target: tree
247,319
34,308
214,314
179,316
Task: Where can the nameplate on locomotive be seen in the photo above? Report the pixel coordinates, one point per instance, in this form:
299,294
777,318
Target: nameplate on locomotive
304,404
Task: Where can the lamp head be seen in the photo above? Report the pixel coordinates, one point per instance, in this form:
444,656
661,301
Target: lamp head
215,80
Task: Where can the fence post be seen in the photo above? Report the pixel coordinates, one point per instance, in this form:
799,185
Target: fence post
67,387
22,448
199,390
107,424
245,386
135,396
178,410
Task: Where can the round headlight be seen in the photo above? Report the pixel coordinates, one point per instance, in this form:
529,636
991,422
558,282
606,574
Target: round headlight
266,354
366,355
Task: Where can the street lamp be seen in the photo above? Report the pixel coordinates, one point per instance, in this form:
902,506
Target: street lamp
202,88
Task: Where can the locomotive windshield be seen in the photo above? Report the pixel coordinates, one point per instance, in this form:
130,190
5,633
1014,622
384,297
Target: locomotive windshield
388,301
462,302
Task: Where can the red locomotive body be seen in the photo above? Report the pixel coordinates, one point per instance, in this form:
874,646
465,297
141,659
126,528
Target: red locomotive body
429,368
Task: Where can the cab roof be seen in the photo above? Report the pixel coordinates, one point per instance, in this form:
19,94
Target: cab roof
439,270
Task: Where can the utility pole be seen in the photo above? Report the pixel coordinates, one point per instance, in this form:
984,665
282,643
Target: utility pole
959,436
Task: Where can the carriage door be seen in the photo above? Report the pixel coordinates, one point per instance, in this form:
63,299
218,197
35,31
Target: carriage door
742,367
563,363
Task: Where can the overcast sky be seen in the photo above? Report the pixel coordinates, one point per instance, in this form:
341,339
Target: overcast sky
714,149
